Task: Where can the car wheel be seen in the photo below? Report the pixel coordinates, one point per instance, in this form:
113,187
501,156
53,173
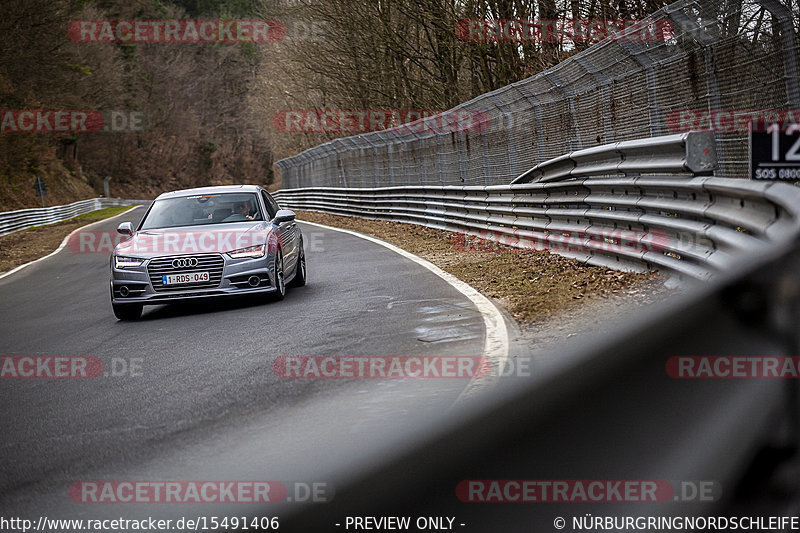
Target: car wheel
300,269
279,282
127,311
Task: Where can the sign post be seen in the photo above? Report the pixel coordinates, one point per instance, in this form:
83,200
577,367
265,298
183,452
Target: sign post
40,187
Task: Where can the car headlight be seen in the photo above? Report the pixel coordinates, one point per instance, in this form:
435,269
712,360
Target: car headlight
250,251
127,262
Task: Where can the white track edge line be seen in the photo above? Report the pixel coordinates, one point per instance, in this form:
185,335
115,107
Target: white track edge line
495,348
64,243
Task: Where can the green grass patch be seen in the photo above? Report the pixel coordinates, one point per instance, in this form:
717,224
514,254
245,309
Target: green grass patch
104,213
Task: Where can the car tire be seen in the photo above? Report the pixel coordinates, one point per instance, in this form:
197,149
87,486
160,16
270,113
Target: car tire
127,311
299,279
280,284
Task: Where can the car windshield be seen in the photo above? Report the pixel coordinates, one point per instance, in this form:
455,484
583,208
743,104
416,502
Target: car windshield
202,209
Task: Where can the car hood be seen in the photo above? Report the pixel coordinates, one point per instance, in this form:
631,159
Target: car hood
217,238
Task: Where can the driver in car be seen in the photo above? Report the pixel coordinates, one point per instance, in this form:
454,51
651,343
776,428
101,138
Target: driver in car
243,209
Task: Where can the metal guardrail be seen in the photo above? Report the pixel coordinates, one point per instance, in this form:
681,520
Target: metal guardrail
692,153
694,227
11,221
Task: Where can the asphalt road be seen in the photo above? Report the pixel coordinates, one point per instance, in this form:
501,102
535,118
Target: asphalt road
195,396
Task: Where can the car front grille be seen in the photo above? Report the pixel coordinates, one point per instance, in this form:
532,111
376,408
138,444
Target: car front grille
211,263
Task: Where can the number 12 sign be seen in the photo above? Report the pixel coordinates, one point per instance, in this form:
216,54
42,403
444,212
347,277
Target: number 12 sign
775,154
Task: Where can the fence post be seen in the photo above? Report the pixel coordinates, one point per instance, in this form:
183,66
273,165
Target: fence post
783,15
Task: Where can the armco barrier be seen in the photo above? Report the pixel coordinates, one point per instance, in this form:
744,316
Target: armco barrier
684,153
692,226
11,221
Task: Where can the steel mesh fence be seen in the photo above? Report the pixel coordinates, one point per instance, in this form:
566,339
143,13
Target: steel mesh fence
723,55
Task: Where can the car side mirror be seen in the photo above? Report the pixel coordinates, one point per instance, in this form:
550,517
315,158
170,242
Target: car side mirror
126,228
284,215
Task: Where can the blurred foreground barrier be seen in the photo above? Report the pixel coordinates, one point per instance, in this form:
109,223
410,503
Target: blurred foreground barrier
607,407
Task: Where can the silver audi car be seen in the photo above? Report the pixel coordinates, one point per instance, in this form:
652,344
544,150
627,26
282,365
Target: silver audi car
204,243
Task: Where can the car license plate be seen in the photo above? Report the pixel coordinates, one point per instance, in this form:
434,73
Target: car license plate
190,277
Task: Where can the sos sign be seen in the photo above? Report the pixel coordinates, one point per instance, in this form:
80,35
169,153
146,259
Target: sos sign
775,153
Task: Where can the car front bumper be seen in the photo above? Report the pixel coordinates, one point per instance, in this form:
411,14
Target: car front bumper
231,277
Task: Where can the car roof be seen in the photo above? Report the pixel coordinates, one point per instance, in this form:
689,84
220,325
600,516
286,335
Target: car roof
217,189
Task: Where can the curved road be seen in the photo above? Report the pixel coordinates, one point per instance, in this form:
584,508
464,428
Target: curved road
195,396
